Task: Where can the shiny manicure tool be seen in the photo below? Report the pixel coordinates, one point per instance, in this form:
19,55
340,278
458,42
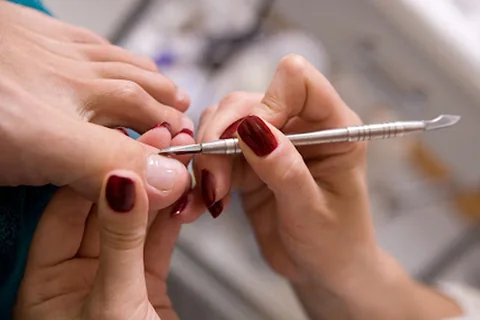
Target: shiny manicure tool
349,134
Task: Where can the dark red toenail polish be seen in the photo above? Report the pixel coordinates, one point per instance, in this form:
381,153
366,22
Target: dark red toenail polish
181,204
230,131
186,131
123,130
208,188
256,134
216,209
120,193
166,125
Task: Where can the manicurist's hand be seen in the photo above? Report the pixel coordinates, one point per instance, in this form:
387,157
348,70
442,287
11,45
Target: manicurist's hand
104,261
61,87
308,206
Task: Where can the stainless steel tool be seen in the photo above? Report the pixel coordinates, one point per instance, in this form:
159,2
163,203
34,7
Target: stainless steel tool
349,134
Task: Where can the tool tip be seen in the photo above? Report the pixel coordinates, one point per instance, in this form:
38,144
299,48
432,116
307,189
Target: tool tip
179,150
442,121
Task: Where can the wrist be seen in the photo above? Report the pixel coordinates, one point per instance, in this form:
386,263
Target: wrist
381,289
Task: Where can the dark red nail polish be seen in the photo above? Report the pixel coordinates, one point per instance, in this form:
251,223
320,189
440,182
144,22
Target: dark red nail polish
120,193
208,188
230,131
181,204
216,209
123,130
186,131
166,125
256,134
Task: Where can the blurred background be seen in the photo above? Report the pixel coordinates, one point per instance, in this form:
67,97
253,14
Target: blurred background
390,60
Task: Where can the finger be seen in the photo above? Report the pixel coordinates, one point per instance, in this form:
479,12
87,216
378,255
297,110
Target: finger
214,172
90,246
276,162
125,103
158,137
122,213
157,85
159,246
59,232
161,240
112,53
299,90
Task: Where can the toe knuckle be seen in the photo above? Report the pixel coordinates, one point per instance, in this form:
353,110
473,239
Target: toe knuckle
130,91
293,64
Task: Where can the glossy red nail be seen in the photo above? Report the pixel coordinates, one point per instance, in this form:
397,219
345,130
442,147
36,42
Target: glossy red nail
256,134
120,193
186,131
208,188
166,125
181,204
208,194
230,131
123,130
216,209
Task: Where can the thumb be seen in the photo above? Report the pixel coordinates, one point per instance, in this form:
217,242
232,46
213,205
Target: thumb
279,165
123,214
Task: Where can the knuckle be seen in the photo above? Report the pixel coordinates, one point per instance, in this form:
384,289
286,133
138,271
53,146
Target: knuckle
273,103
122,239
130,91
293,65
292,174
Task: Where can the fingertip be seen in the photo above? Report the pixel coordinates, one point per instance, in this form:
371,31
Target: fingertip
123,192
192,210
182,99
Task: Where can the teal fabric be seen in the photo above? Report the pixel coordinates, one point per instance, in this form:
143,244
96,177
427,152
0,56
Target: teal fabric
36,4
20,211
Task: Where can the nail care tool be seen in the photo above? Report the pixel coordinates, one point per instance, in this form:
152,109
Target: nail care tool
349,134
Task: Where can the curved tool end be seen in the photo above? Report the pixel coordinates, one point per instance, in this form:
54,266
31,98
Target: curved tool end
442,121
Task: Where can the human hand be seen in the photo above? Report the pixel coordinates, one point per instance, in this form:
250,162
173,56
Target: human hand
58,85
98,261
308,206
298,201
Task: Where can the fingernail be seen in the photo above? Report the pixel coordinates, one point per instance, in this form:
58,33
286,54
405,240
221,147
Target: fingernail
162,172
181,204
216,209
208,194
256,134
182,95
166,125
123,130
120,193
208,188
186,131
230,131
